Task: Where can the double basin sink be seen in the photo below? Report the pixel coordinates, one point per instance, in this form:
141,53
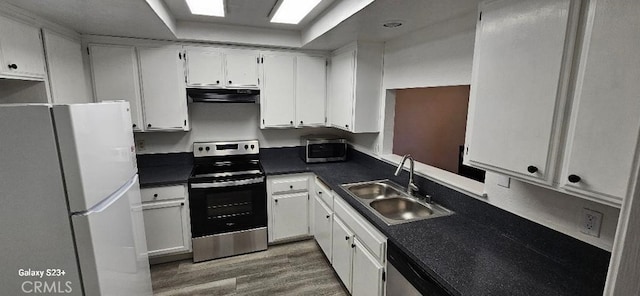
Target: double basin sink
392,204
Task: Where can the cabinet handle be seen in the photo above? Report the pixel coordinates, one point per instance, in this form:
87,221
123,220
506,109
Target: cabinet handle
320,192
301,122
155,195
532,169
290,186
291,122
217,81
346,125
149,125
353,245
230,82
327,216
182,204
135,125
346,238
275,200
574,178
13,66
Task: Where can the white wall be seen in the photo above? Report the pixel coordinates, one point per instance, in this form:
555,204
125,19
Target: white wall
442,55
222,122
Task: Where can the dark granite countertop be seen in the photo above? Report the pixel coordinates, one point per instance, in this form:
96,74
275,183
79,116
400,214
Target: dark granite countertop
479,250
164,169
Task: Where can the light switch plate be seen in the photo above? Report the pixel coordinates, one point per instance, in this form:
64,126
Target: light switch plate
140,145
504,181
590,222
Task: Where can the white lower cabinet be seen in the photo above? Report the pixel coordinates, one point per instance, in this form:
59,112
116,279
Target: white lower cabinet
322,226
290,215
166,221
355,248
288,207
367,272
343,245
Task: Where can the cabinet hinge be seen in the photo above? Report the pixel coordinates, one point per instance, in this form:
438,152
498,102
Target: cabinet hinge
326,63
261,60
180,55
480,16
185,122
263,121
258,60
88,53
384,275
325,119
184,55
467,151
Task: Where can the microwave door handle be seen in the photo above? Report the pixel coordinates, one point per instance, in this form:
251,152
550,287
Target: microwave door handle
227,183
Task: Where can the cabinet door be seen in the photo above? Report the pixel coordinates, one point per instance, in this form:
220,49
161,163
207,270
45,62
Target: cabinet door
114,70
605,119
21,48
278,94
166,226
66,70
311,91
241,69
367,272
517,86
204,67
342,90
290,215
342,247
323,217
164,94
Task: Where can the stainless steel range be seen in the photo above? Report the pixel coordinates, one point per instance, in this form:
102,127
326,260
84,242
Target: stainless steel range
228,200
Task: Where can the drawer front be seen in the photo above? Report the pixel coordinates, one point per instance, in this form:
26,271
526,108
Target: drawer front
324,193
162,193
370,237
289,184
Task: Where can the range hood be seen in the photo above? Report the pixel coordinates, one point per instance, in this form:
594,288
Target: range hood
219,95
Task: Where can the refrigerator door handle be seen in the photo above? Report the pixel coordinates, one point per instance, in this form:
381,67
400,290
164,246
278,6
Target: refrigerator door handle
113,197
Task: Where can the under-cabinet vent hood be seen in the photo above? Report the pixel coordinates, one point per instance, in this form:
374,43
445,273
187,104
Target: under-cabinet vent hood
206,95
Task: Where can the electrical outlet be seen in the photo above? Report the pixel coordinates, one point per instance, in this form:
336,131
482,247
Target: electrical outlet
140,145
591,221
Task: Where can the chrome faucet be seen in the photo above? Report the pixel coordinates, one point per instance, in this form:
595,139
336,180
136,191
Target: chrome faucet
411,187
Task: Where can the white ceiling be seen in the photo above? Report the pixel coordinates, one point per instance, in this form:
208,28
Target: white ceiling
135,18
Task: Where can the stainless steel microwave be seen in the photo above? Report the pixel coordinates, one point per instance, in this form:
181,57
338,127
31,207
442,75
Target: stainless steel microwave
323,149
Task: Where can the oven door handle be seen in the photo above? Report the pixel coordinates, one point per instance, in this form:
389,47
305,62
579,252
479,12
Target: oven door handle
227,183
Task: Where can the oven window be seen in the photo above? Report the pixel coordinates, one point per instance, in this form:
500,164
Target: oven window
224,206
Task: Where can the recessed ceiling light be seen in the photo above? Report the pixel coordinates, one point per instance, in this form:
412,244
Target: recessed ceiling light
392,24
293,11
206,7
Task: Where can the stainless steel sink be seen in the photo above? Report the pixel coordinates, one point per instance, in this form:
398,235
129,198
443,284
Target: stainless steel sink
392,204
375,190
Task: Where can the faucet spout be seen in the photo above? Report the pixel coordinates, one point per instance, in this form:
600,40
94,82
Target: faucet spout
411,187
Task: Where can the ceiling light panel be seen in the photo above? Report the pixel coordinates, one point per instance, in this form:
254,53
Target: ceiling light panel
293,11
206,7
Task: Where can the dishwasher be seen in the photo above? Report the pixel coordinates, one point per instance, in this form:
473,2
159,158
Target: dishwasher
406,278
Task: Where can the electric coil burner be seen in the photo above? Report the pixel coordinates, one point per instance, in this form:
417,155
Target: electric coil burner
227,200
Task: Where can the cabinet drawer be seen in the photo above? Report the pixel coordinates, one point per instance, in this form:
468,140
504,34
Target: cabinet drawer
370,237
289,184
162,193
323,192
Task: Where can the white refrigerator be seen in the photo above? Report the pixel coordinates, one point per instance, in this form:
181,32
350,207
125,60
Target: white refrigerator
70,210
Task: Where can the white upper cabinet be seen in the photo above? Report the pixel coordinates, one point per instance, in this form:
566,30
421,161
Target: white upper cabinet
164,96
114,70
311,91
605,120
241,69
355,83
518,86
21,51
66,71
277,94
204,67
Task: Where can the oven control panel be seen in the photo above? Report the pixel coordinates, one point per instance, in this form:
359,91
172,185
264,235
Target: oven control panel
205,149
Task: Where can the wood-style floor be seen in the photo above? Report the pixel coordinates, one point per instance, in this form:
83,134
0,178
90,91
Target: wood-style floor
297,268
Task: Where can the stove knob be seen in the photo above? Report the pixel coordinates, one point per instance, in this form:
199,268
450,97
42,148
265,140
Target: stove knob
207,148
253,146
200,149
246,147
